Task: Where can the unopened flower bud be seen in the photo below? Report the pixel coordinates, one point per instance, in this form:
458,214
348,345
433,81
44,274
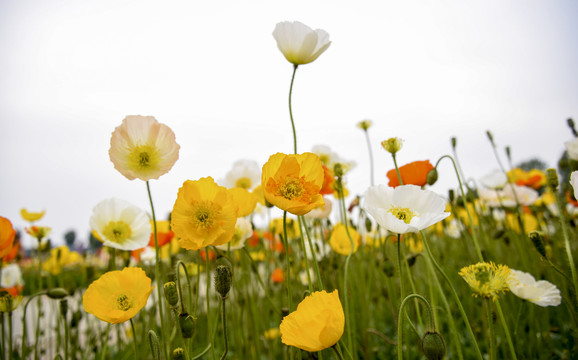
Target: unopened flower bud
223,280
368,224
392,145
433,346
452,195
508,153
171,293
364,124
57,293
432,176
454,141
178,354
571,125
490,136
552,177
187,325
338,170
538,241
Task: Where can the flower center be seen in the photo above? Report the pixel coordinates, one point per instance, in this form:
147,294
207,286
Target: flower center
144,157
117,231
205,214
123,302
243,183
291,189
483,276
403,214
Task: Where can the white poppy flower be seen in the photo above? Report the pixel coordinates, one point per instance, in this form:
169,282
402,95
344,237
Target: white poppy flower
11,276
321,212
243,231
299,43
572,148
495,180
245,174
121,225
542,292
404,209
143,148
526,195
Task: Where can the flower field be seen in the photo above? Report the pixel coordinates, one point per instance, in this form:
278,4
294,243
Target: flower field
395,270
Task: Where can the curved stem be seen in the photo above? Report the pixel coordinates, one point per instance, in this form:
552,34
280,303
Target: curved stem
400,321
179,291
158,275
474,236
455,295
567,245
291,110
24,320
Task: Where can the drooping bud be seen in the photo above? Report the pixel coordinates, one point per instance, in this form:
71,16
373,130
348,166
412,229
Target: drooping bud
454,141
178,354
552,177
432,177
538,241
187,325
433,345
171,293
57,293
223,280
392,145
571,125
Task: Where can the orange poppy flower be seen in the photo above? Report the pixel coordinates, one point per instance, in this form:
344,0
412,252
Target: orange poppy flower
212,255
277,276
164,234
414,173
7,234
328,179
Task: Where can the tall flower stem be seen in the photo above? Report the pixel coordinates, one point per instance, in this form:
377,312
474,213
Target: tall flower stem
431,325
134,345
455,295
474,236
397,169
347,260
567,244
305,258
287,262
209,332
224,319
291,109
366,132
158,276
105,345
506,330
312,249
492,336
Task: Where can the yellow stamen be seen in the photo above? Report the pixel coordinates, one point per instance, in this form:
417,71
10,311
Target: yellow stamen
117,231
292,188
205,214
403,214
123,302
143,157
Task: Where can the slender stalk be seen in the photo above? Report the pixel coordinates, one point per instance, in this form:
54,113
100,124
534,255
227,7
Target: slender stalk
492,336
397,169
455,295
305,258
224,319
105,345
370,157
209,332
254,269
134,345
474,236
400,321
337,352
291,110
312,249
3,349
567,245
505,326
158,276
287,262
10,350
24,333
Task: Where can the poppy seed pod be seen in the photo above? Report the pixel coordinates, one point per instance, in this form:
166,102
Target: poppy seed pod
433,346
552,177
178,354
223,279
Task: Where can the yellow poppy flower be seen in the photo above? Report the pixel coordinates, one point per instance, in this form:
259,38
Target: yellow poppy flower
143,148
487,280
293,182
118,296
59,257
317,323
31,216
38,232
204,214
245,201
340,242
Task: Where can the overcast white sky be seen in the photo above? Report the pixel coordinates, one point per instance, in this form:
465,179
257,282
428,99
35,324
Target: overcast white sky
425,71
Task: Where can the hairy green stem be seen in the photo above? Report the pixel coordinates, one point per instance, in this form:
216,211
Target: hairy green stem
400,321
291,110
